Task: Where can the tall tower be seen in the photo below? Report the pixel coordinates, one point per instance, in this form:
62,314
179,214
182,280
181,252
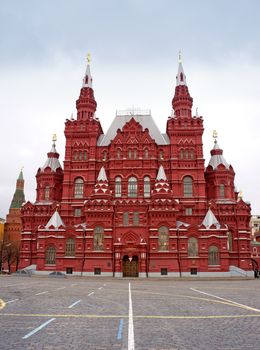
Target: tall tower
81,154
13,223
219,176
49,177
187,163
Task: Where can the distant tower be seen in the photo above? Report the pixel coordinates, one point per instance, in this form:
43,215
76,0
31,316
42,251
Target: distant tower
13,223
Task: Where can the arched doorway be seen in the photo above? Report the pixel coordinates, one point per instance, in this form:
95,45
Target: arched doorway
130,266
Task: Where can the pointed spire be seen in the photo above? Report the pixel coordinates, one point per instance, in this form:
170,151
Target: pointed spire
20,177
182,101
53,157
180,77
18,197
161,174
86,104
102,175
87,80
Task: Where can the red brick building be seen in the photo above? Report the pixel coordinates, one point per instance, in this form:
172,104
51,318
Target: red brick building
134,201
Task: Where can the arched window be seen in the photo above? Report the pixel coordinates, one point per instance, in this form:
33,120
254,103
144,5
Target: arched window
135,218
192,154
118,187
47,193
146,153
70,247
161,154
75,155
129,153
118,153
186,154
85,155
104,155
126,219
187,187
78,188
222,191
50,256
132,187
98,238
192,246
135,153
181,154
213,255
163,238
147,187
230,241
80,155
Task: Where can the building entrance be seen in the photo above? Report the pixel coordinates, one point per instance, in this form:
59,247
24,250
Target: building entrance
130,266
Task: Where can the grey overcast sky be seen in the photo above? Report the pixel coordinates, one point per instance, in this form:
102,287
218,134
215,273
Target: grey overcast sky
134,46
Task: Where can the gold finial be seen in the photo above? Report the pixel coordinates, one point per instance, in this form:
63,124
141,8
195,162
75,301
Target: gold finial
54,138
215,134
240,195
179,56
88,58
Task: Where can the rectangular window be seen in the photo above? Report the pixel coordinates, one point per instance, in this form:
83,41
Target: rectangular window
136,218
164,271
188,211
126,219
77,212
97,271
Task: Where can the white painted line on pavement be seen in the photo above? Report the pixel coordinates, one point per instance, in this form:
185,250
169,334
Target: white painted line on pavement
131,340
74,284
60,288
227,300
11,301
76,302
42,292
100,288
90,294
39,328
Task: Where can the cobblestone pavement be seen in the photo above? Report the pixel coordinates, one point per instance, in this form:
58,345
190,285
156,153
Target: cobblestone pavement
93,313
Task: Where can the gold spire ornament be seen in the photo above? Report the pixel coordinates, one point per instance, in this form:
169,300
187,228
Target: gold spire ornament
215,134
89,58
54,138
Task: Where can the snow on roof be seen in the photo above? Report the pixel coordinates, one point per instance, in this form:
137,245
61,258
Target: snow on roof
145,120
210,220
55,221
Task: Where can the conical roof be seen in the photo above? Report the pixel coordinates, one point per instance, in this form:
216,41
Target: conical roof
18,197
217,157
53,159
161,174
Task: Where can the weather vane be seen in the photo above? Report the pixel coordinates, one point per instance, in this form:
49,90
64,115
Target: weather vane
215,134
54,138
